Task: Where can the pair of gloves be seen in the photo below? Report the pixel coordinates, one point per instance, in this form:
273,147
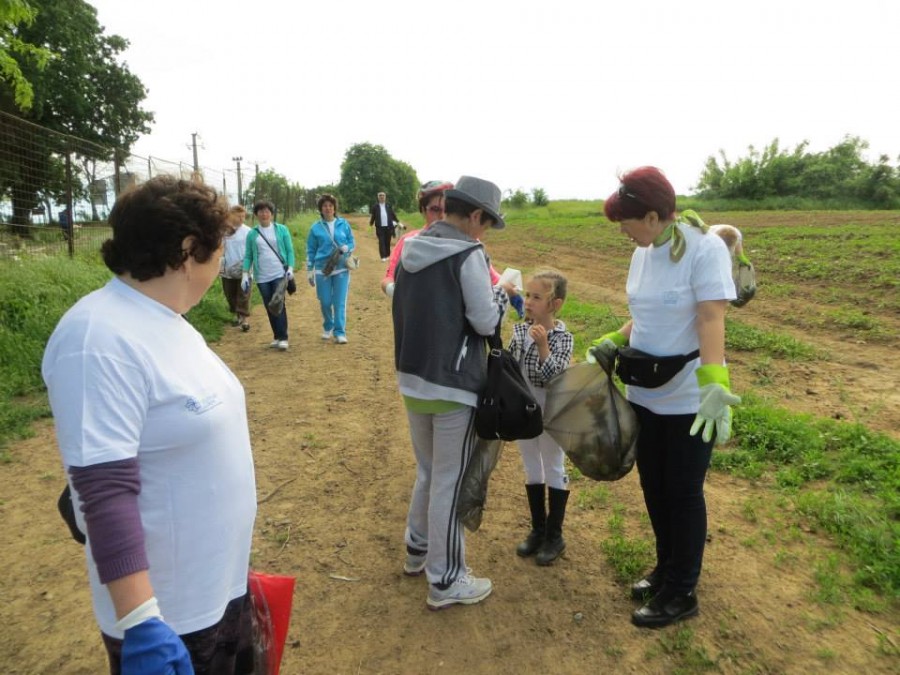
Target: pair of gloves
245,279
150,646
716,399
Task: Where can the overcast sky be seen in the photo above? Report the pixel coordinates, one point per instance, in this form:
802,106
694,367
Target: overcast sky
558,94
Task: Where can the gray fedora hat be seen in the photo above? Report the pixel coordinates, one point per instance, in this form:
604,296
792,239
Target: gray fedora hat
481,193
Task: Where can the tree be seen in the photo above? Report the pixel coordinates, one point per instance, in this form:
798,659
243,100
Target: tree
369,169
85,93
13,15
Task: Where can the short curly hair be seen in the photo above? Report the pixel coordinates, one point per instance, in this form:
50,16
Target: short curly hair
326,198
150,223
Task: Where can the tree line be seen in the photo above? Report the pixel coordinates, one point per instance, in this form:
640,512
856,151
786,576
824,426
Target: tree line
839,175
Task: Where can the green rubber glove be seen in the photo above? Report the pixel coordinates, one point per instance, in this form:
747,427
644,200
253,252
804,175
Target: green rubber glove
603,349
716,400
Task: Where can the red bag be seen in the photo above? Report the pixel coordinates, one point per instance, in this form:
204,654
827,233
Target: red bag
271,596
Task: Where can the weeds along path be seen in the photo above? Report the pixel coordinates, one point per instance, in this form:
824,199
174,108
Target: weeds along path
334,472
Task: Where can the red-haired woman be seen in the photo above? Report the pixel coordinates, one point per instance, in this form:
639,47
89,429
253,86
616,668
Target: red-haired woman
678,287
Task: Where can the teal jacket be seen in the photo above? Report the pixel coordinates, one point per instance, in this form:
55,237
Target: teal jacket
285,248
319,245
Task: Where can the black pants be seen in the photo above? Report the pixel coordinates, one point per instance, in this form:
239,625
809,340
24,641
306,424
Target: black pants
384,234
225,648
672,465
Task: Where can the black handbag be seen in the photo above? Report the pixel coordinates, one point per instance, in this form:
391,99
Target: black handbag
506,407
641,369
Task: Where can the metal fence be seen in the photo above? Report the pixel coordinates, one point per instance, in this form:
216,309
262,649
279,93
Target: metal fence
56,191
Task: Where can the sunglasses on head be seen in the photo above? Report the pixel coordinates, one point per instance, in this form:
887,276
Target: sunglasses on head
623,192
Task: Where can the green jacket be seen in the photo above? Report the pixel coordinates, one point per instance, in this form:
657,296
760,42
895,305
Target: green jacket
285,248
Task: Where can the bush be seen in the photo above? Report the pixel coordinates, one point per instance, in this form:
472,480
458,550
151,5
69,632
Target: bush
539,197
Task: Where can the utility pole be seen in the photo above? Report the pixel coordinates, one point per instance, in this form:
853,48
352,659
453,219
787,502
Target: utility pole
240,192
194,144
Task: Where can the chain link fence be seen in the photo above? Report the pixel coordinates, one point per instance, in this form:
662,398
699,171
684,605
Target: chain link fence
56,191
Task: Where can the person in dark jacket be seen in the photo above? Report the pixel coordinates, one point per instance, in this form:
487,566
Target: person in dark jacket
443,307
384,219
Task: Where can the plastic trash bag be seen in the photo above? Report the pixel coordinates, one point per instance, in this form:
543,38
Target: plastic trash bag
744,283
473,491
271,596
592,422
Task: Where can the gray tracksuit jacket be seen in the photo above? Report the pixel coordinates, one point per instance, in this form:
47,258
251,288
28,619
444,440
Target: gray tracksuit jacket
444,306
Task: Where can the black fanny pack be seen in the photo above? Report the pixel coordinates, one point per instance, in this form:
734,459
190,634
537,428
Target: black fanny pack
641,369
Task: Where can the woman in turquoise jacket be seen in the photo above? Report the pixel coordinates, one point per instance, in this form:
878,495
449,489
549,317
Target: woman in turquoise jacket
325,235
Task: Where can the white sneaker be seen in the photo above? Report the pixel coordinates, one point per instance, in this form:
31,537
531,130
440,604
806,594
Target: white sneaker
326,334
341,339
274,344
414,565
466,590
282,345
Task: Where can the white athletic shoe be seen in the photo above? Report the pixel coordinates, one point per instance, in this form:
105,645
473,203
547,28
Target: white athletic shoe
466,590
282,345
274,344
341,339
326,334
414,565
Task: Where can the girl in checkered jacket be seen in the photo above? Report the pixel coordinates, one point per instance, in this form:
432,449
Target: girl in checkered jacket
543,347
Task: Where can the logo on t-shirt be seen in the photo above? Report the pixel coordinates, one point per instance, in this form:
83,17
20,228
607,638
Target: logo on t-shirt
200,406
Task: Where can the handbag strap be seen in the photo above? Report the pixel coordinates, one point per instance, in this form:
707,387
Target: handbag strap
260,234
328,232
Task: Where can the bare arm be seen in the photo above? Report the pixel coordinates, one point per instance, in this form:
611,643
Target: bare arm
711,330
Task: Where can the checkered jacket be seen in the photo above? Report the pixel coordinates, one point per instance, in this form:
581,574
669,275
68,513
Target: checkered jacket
561,345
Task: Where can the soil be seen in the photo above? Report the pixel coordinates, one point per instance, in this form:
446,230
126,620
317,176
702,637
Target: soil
334,472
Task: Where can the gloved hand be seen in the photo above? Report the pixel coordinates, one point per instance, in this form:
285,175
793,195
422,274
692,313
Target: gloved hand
245,282
389,289
603,349
311,277
290,273
518,303
152,648
716,400
345,248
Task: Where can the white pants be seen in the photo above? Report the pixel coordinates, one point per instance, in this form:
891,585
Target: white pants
443,446
542,457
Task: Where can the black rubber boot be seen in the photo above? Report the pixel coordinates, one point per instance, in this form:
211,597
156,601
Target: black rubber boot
554,544
538,509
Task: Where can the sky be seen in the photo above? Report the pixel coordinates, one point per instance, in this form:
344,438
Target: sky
562,95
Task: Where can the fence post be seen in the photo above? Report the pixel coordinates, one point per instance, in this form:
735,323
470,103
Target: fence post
116,167
70,210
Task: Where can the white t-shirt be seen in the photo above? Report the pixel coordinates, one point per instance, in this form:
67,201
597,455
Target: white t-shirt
662,300
235,246
128,377
270,266
384,216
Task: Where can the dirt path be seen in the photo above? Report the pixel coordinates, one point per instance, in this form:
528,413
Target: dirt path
334,472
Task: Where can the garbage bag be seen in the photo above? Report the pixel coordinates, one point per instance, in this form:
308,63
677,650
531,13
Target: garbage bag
744,283
271,596
592,422
473,491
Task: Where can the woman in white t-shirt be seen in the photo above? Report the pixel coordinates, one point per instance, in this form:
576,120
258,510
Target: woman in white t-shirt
232,269
678,287
152,429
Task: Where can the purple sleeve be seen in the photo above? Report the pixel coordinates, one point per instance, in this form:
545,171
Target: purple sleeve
109,500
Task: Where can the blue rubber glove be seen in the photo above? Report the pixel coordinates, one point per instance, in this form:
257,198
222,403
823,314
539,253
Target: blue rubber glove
245,282
518,303
603,349
716,400
289,273
311,278
152,648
